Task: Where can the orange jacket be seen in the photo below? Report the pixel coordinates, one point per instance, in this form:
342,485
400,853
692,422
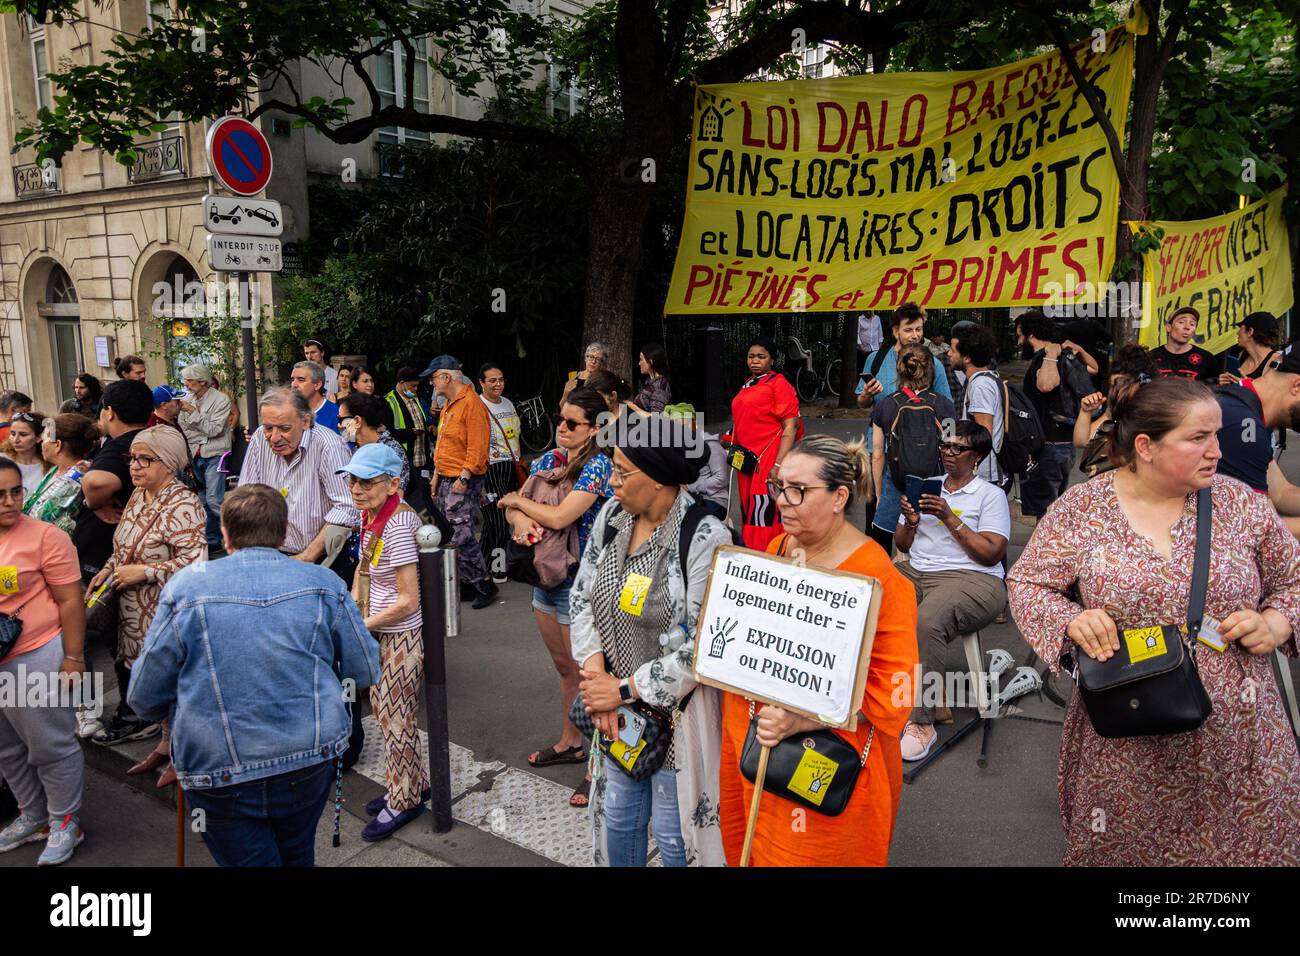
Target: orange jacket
463,432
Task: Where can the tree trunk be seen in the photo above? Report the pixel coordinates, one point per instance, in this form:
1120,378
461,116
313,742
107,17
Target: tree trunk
848,361
615,228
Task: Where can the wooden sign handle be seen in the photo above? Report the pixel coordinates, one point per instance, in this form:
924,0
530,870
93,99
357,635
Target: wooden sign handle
759,778
180,825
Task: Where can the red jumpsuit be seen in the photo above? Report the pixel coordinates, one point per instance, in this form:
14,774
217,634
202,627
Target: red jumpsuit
757,412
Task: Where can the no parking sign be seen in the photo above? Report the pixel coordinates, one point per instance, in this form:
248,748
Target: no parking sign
239,155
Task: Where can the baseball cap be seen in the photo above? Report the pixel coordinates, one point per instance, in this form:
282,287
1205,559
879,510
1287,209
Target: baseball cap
1290,363
440,362
1263,322
373,460
1184,310
165,393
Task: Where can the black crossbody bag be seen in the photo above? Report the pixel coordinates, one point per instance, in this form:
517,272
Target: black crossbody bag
1159,692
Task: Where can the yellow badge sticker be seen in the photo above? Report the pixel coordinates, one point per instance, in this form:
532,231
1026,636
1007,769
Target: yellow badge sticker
635,589
510,432
813,776
737,460
957,511
1145,643
624,754
284,492
9,580
379,549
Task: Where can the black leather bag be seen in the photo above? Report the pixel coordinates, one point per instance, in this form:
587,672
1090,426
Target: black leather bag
648,757
1151,686
817,770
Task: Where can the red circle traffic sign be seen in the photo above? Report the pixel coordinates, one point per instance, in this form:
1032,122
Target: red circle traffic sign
239,155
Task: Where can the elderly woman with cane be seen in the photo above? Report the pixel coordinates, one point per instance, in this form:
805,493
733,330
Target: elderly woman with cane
161,531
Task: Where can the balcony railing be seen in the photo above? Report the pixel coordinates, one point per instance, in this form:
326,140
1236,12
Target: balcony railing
33,180
163,157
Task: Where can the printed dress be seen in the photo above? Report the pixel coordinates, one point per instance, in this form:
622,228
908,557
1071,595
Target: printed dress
1222,795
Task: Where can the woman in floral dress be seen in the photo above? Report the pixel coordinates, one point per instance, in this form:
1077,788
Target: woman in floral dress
1116,553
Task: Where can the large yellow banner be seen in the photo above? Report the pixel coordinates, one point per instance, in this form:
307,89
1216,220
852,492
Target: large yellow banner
1225,268
979,188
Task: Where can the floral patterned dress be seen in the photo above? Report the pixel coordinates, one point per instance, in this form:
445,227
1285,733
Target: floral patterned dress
1222,795
164,535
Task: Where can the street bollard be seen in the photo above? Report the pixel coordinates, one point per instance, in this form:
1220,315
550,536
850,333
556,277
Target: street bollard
440,607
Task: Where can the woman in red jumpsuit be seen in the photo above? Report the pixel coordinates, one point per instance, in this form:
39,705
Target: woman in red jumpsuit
765,420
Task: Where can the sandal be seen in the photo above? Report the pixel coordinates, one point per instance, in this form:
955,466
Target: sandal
550,757
584,792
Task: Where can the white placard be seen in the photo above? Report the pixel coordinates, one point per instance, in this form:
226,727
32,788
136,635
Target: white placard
244,254
101,351
237,216
787,634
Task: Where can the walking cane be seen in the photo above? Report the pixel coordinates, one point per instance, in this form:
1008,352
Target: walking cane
759,779
180,825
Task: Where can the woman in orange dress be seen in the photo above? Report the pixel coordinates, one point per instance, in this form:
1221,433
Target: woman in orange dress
819,478
765,420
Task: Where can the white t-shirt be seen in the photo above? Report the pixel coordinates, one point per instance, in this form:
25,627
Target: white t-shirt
399,548
981,507
984,395
32,474
506,417
869,332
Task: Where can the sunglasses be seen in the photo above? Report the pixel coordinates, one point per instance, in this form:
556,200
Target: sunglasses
571,424
29,417
365,484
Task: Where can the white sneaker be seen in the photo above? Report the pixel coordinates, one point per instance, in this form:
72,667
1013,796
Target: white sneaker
918,740
63,839
23,830
87,723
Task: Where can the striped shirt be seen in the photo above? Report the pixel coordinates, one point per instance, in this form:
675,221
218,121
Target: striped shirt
315,495
398,549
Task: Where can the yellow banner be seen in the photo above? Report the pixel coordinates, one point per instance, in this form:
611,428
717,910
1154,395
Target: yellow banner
1225,268
980,188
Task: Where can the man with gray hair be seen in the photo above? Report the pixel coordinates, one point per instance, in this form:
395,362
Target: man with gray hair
308,379
205,420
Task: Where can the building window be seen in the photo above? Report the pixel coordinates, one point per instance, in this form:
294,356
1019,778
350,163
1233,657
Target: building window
390,81
159,11
40,63
814,62
562,100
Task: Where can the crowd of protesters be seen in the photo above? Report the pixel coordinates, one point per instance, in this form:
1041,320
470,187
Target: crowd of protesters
127,531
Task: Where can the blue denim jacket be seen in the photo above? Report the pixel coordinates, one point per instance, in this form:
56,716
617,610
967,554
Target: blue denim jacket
241,658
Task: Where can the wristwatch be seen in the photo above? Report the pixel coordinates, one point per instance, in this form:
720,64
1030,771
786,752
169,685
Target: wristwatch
624,692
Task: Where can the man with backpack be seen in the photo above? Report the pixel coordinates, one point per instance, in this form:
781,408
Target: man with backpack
1055,382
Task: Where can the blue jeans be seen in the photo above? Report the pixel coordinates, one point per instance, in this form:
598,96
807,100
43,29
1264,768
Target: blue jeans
631,806
1047,482
889,504
268,822
214,492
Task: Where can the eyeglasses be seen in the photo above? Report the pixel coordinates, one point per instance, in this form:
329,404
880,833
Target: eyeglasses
365,484
618,476
16,494
790,494
573,425
143,461
494,381
953,447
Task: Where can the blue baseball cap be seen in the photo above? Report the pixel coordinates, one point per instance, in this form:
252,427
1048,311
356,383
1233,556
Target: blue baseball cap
373,460
165,393
439,363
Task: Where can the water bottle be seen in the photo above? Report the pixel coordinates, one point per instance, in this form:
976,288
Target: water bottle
66,499
674,639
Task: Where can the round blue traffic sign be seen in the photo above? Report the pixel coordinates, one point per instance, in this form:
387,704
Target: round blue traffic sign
239,155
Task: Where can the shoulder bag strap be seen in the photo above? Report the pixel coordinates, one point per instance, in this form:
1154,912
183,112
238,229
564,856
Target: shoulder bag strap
882,353
1200,563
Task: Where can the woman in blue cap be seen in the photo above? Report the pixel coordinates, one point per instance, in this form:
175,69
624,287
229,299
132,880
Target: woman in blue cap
387,590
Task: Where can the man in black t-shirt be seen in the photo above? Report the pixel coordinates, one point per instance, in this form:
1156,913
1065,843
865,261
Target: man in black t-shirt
106,485
1178,356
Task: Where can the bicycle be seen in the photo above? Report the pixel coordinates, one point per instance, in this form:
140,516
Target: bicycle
807,383
535,428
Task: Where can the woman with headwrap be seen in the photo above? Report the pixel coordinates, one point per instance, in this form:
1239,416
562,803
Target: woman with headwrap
161,532
765,422
634,605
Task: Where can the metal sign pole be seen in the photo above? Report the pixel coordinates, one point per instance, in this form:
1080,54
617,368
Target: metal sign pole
440,607
250,365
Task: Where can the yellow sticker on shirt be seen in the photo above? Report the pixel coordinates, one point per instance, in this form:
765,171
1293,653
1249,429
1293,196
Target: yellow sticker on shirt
813,775
957,511
633,598
8,580
624,754
510,432
284,492
379,549
1145,643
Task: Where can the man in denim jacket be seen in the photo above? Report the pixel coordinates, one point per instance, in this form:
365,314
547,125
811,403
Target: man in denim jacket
253,659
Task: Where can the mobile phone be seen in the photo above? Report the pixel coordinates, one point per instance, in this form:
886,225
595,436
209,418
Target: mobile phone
913,491
1232,364
631,727
932,486
866,378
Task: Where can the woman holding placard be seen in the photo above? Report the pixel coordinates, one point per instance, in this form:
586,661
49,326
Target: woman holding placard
818,481
765,424
635,602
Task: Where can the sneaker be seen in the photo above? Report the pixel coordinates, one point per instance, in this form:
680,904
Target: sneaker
25,829
120,731
918,740
87,723
487,594
388,823
381,802
64,838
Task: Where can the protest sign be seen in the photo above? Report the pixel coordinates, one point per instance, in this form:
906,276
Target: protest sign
1225,268
973,189
786,634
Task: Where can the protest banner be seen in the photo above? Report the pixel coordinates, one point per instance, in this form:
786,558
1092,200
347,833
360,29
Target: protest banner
779,632
1225,268
966,189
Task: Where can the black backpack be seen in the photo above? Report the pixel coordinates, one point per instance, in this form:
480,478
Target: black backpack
696,513
912,442
1075,384
1022,431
